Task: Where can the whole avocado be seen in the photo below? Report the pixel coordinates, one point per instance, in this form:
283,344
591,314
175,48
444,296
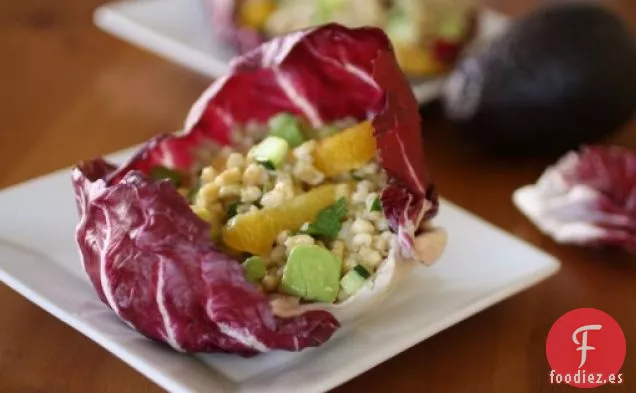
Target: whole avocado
562,76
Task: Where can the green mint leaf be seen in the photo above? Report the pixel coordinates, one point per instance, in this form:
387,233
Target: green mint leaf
356,177
163,173
192,194
376,206
329,221
232,210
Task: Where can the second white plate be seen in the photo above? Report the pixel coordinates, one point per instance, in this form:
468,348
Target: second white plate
179,30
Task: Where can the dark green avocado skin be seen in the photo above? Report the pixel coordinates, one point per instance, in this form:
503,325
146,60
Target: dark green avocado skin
562,76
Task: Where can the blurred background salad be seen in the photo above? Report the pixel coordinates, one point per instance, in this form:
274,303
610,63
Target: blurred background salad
428,35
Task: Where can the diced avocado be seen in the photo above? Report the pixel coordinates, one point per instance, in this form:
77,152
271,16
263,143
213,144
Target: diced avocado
354,280
271,152
287,127
255,268
162,173
312,273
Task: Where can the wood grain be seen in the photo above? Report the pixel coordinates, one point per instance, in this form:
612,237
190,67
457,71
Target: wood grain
70,92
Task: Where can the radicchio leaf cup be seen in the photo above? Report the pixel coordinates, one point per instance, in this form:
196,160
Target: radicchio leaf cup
150,257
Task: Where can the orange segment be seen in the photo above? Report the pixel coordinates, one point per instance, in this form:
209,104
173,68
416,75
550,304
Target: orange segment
417,61
346,150
254,13
218,162
256,232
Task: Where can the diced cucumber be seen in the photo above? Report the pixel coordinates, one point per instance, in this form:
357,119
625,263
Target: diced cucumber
287,127
271,152
401,28
362,271
255,268
453,27
354,280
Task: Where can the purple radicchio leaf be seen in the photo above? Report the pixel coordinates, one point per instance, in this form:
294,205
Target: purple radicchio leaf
151,261
587,198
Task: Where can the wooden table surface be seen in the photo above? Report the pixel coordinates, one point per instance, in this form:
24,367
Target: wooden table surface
69,91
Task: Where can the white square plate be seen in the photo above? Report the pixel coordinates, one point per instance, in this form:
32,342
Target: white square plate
179,30
38,258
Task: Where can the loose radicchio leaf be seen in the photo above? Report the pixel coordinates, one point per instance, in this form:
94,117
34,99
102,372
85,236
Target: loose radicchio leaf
588,198
150,259
149,256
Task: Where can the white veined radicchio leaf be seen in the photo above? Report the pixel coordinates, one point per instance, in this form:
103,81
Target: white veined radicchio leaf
587,198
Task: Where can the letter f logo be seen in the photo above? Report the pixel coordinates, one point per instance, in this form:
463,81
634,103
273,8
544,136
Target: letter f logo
583,344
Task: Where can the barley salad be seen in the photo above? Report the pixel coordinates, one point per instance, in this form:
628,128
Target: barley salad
300,206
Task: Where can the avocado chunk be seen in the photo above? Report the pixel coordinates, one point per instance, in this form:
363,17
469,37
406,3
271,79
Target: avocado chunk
287,127
255,268
312,273
271,152
562,76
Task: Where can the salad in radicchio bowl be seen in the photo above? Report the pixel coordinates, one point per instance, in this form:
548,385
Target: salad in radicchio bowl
428,35
294,200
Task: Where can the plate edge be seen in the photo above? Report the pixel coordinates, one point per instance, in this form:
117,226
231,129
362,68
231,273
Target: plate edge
105,18
117,350
479,306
